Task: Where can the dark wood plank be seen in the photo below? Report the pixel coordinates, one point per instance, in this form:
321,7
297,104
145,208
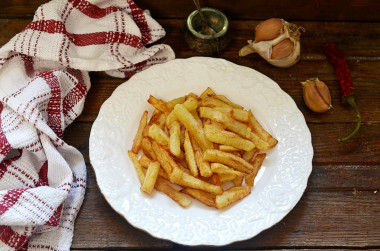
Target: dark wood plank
343,10
356,213
99,226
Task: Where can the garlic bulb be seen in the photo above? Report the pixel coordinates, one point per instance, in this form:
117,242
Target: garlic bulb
316,95
277,41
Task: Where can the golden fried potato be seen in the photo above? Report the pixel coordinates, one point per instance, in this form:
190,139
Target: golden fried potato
204,197
239,164
139,135
232,195
150,177
162,186
256,163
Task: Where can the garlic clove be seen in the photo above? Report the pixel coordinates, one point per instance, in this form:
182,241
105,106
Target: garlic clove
268,30
283,49
316,95
276,51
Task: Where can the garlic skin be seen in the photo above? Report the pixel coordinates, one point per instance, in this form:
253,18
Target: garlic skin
264,48
316,95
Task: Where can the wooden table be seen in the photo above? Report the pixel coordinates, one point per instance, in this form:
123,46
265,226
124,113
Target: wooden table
341,205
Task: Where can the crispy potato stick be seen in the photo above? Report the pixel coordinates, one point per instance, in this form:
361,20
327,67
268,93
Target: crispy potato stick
260,131
227,138
192,125
232,195
227,101
189,155
190,104
162,186
259,143
138,138
212,102
170,105
136,164
157,134
238,180
150,177
213,155
167,163
159,104
223,169
156,114
238,114
190,181
248,155
256,163
228,148
174,142
207,92
144,161
196,117
204,166
226,177
146,146
145,131
215,179
204,197
232,124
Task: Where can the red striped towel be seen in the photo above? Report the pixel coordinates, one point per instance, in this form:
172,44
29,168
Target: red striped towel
43,83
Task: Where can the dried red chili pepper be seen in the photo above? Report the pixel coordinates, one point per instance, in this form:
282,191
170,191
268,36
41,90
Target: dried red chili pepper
345,80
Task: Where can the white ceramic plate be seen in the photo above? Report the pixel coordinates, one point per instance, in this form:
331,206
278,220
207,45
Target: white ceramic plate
278,186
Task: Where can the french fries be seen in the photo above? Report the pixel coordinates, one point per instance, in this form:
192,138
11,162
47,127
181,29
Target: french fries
199,144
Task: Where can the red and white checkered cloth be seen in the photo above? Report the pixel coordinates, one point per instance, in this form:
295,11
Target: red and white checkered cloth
43,83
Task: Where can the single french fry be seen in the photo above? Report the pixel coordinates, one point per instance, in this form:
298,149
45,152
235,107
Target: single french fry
203,166
207,92
227,101
136,164
238,114
238,181
144,161
188,180
212,102
215,179
196,117
239,164
150,177
192,125
155,116
174,142
226,177
170,105
146,131
226,148
162,186
232,195
146,146
189,155
157,134
190,104
260,131
259,143
138,138
248,155
223,169
232,124
204,197
256,163
159,104
227,138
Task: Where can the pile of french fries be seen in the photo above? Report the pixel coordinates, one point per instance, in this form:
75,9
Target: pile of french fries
197,146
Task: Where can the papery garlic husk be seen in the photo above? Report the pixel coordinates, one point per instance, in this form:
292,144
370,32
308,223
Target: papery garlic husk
264,48
316,95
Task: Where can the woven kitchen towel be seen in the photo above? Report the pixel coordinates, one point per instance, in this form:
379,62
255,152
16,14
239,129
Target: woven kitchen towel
43,83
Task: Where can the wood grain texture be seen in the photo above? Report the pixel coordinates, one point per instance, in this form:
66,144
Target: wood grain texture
98,226
342,10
